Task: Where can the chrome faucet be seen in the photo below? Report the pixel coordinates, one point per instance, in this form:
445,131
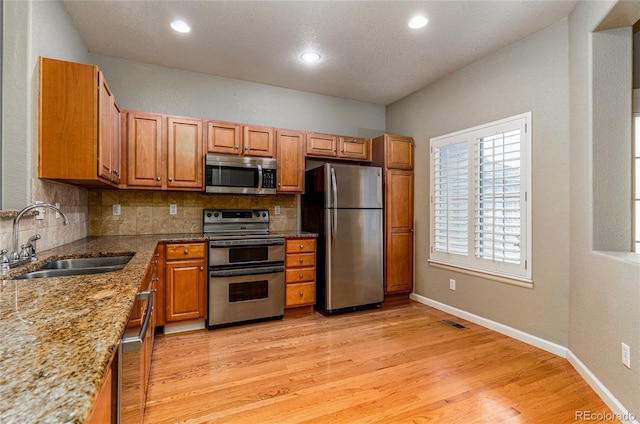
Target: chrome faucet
15,255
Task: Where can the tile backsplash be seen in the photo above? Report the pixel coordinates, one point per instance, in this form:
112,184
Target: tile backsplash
74,202
147,212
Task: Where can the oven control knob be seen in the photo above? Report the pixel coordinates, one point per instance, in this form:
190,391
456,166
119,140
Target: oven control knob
216,214
208,214
264,214
257,214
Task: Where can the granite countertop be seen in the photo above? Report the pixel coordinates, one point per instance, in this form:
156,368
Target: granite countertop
59,334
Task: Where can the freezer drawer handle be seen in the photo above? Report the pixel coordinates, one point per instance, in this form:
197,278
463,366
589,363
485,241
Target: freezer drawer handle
135,343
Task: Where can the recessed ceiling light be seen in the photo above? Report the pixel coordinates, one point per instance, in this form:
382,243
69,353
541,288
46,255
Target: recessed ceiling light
418,22
310,57
180,26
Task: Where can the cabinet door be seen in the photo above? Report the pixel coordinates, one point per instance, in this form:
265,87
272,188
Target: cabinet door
185,290
224,137
258,141
116,144
399,230
399,152
144,150
159,312
290,163
184,153
322,145
354,148
106,128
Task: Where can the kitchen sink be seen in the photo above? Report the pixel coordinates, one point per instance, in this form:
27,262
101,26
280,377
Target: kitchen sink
83,263
78,266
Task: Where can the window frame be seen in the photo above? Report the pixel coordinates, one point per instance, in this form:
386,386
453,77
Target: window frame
470,263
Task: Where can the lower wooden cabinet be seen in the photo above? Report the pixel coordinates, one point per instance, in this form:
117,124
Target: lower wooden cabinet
300,272
185,281
104,409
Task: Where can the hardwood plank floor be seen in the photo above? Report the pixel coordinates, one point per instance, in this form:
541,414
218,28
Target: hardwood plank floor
398,364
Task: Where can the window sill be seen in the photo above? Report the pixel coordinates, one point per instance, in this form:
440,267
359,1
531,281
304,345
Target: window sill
630,258
520,282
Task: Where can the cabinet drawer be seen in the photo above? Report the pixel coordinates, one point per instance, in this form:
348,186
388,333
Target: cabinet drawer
301,245
300,274
185,251
300,294
301,260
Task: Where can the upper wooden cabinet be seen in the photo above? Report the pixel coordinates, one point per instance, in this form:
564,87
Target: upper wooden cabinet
290,161
237,139
109,136
338,147
321,145
354,148
393,151
164,152
78,125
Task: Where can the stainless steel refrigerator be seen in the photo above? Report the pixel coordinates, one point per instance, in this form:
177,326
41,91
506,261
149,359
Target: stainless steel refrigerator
343,204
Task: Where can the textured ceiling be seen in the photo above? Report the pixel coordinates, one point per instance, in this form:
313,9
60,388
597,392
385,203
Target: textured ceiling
368,52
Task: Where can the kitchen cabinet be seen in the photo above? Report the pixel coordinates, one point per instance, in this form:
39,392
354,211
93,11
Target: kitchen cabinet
158,258
243,140
338,147
395,155
300,272
78,125
104,410
164,152
354,148
185,285
290,161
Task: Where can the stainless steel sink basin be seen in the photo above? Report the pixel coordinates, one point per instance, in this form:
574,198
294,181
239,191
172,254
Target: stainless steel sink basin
78,266
83,263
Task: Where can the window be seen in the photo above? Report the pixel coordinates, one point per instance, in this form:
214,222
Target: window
480,198
636,183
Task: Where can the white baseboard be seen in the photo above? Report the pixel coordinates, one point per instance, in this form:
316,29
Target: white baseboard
620,412
181,327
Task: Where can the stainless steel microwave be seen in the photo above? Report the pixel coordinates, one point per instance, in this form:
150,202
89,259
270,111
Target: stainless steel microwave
239,175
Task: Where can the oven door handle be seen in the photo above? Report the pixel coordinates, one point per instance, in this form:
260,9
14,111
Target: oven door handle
243,272
253,242
135,343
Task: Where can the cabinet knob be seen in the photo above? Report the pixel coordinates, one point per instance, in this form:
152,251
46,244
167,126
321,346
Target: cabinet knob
157,178
246,148
301,260
201,268
237,147
279,184
154,262
157,255
170,179
300,275
301,294
302,246
186,251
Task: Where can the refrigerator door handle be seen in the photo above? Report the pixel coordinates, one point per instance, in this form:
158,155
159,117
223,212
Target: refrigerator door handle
334,220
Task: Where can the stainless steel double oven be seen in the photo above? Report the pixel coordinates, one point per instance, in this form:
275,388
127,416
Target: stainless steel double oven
246,267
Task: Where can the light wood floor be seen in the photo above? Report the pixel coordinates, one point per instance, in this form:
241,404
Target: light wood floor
395,365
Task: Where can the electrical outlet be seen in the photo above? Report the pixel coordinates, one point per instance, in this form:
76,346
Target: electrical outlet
173,209
452,284
626,356
116,210
40,210
276,210
57,213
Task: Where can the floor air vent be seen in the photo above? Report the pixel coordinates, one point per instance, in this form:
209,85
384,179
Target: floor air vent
454,324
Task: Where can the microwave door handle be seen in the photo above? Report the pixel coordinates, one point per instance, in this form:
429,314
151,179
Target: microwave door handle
259,178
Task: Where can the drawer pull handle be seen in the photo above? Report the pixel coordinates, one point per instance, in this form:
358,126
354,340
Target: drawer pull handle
301,294
302,246
300,275
186,251
301,260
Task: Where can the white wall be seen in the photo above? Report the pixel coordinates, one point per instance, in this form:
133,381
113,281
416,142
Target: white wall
605,286
151,88
531,75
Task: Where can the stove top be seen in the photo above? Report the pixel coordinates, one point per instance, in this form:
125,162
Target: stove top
235,222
